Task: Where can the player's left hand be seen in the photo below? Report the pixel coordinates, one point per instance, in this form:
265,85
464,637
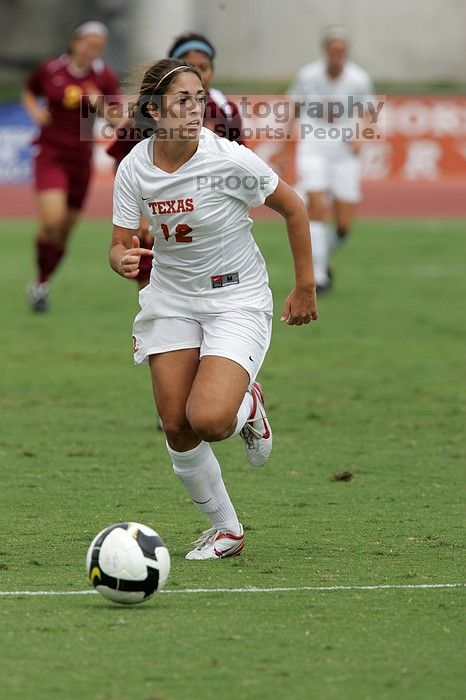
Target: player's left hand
300,307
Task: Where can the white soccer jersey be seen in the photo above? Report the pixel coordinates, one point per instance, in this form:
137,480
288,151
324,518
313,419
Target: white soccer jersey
204,254
313,87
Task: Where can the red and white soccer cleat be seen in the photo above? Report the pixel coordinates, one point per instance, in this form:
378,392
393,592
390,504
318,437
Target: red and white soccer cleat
213,544
257,433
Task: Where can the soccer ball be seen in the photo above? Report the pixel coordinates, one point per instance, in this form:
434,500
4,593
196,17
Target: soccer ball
127,563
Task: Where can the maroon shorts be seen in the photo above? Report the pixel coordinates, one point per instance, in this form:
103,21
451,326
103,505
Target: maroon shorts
54,170
145,262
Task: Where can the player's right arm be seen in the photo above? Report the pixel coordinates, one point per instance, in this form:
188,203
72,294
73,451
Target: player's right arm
38,112
125,252
33,90
125,249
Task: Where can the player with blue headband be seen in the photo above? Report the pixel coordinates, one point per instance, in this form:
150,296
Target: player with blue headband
188,45
221,115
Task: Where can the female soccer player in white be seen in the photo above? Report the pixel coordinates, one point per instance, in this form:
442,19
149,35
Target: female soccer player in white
205,319
328,166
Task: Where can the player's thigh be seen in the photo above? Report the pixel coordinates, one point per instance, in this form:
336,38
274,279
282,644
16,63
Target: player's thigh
173,374
53,209
233,349
171,346
79,177
316,203
217,392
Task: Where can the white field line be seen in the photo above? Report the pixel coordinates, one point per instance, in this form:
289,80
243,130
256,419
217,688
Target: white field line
297,589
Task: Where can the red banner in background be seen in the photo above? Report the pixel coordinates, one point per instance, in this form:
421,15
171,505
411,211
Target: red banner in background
424,140
417,170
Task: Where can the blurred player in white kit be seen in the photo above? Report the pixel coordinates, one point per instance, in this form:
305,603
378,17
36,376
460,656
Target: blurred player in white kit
327,94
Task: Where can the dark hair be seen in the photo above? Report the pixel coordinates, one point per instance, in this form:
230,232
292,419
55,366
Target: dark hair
155,83
192,37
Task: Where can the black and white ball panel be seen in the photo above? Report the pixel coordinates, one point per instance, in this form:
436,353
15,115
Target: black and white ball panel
128,562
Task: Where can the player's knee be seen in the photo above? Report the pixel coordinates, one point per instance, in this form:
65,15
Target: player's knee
54,231
177,431
210,426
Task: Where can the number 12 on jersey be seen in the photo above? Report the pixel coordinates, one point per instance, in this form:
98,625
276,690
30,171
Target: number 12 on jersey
181,233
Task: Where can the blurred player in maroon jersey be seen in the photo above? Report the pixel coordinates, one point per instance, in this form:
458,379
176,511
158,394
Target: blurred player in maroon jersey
52,98
221,116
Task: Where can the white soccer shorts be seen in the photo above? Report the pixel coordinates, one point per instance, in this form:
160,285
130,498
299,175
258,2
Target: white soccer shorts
240,335
335,170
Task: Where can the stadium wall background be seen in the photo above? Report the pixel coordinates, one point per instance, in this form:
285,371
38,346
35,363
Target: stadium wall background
420,41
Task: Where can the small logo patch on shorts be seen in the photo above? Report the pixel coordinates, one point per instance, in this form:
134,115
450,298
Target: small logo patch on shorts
224,280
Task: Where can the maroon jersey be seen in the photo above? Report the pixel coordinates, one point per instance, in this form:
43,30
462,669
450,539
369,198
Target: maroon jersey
63,87
221,116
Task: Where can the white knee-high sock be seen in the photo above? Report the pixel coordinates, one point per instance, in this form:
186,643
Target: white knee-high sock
244,411
199,472
320,250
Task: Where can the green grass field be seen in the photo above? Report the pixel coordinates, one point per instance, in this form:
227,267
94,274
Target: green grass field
374,388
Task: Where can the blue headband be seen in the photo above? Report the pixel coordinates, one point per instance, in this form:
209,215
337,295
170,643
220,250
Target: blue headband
192,45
